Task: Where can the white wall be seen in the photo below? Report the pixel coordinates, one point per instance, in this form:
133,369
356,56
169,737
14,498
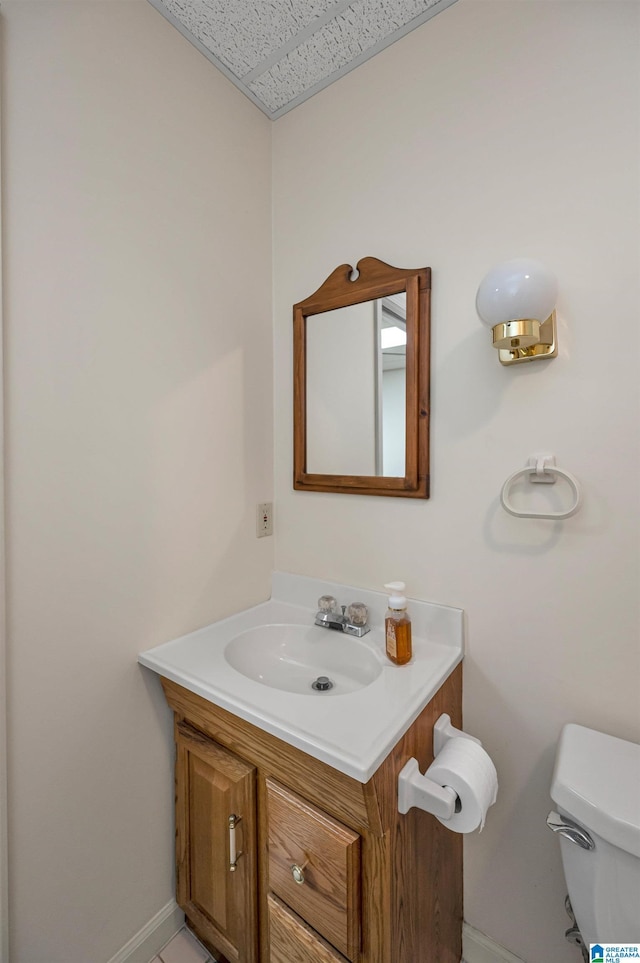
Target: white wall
495,130
136,196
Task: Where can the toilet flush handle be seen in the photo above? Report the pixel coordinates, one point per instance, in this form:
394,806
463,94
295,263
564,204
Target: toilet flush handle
569,829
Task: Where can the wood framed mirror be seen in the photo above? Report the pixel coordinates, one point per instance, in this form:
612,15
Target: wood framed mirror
361,382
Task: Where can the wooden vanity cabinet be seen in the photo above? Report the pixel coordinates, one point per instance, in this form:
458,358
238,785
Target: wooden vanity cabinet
330,872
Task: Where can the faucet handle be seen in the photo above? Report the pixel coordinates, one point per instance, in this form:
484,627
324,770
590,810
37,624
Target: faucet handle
358,613
327,603
357,620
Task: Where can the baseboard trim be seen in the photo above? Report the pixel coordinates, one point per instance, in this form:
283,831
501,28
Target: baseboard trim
478,948
148,941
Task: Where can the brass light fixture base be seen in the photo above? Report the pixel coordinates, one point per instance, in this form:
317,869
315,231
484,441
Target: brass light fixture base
526,340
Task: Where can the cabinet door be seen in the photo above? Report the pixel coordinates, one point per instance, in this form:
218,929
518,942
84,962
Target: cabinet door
292,941
215,813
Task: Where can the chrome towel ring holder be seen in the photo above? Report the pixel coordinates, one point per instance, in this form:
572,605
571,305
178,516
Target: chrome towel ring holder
541,469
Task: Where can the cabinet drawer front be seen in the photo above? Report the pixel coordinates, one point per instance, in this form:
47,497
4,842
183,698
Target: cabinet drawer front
292,941
305,842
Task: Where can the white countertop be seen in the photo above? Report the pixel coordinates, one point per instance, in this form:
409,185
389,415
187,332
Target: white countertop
353,732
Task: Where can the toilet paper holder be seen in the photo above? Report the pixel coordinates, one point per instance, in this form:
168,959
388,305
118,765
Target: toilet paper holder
421,791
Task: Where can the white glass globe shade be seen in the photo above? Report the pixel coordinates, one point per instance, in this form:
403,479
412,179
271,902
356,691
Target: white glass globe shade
515,290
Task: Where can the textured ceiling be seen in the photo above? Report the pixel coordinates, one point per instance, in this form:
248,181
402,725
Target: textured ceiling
280,52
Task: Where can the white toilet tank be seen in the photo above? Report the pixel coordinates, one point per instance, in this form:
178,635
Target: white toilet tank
596,785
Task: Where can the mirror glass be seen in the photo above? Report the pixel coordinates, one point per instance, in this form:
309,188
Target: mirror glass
356,389
361,382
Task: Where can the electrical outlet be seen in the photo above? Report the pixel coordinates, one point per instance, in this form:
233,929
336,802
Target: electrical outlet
264,519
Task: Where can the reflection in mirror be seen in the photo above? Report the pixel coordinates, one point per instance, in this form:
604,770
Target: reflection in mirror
341,391
392,384
356,388
361,382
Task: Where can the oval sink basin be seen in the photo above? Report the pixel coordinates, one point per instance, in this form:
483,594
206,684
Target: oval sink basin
292,657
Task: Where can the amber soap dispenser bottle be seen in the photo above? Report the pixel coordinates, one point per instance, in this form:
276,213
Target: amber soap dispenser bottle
397,625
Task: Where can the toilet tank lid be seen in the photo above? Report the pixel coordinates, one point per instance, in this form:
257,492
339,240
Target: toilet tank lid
596,780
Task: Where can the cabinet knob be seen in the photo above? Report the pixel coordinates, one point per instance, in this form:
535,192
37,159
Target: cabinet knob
298,875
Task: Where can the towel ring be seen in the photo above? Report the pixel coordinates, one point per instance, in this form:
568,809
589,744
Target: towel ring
541,469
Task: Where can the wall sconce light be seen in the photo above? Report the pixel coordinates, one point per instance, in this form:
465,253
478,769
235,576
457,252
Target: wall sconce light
517,299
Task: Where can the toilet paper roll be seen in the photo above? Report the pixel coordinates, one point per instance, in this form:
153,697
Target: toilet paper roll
467,768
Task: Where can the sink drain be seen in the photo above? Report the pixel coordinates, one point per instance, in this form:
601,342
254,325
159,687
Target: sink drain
322,683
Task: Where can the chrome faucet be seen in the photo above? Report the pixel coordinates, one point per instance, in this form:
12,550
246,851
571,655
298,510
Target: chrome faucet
353,619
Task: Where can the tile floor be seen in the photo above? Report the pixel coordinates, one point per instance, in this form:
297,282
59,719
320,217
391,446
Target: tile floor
183,948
